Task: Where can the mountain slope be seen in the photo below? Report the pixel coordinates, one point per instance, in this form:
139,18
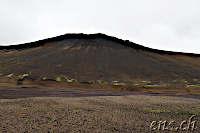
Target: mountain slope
97,58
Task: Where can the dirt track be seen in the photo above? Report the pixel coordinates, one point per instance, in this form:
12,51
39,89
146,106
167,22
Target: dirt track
15,92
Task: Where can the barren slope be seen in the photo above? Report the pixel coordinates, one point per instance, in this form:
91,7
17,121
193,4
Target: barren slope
98,58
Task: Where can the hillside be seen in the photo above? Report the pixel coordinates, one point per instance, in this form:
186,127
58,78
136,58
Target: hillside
98,58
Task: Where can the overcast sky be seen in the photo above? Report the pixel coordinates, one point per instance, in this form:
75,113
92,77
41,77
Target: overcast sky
162,24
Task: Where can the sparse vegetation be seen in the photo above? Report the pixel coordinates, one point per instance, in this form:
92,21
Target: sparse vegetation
135,84
44,78
188,86
99,81
71,80
10,75
58,79
116,83
23,75
195,79
184,81
68,79
151,85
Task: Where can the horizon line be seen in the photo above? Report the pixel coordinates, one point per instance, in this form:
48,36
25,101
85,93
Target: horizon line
93,36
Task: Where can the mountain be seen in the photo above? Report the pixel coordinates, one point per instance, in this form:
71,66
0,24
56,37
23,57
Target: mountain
98,58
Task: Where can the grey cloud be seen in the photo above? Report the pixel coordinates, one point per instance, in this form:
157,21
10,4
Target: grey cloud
162,24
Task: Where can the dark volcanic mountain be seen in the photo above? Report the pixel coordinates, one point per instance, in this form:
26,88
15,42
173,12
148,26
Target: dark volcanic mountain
97,58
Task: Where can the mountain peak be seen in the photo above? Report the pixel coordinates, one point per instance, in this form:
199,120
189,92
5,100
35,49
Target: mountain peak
89,37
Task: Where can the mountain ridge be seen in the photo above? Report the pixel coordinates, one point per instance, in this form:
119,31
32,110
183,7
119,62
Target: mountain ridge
93,36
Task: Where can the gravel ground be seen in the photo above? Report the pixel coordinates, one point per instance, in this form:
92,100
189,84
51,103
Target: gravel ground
82,111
